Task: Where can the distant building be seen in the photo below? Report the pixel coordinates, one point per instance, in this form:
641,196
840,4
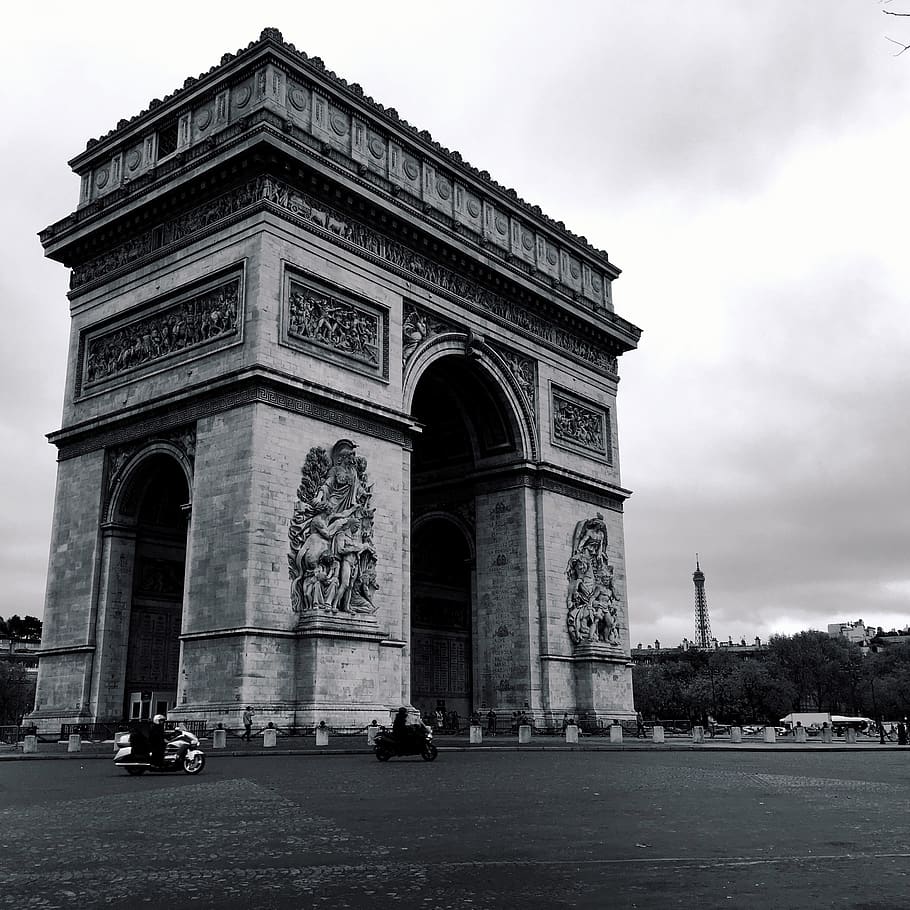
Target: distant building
21,652
856,632
881,639
654,653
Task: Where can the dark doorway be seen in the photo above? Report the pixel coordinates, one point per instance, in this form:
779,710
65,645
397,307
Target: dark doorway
441,619
153,652
467,429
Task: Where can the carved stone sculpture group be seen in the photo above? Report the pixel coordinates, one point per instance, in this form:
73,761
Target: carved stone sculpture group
332,559
200,319
591,612
333,323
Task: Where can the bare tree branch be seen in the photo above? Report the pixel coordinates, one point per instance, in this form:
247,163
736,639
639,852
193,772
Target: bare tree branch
888,12
903,47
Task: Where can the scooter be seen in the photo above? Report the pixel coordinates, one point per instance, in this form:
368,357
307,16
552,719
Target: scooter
181,753
417,742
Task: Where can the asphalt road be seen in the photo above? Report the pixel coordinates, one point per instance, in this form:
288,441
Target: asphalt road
471,830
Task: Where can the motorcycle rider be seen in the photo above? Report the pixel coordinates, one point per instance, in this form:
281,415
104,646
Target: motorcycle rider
157,740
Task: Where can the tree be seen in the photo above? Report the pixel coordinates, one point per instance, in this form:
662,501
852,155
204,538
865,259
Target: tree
903,47
886,681
27,629
820,668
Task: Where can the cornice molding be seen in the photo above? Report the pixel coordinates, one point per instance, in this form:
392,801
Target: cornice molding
249,387
272,48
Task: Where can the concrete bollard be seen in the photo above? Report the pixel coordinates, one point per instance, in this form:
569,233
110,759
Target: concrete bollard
322,736
657,733
269,738
827,736
219,739
698,734
475,735
736,734
770,735
30,745
572,733
75,743
850,736
801,735
371,734
615,733
524,734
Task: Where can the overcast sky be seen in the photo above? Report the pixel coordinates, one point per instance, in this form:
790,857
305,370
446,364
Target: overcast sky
744,163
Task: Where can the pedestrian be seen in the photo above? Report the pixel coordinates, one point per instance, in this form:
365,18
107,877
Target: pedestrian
437,716
901,733
640,725
881,731
491,722
248,725
565,722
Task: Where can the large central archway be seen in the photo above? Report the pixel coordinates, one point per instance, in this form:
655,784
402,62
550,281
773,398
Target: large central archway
157,495
468,428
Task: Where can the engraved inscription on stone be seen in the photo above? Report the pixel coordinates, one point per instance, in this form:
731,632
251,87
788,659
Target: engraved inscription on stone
179,327
580,425
336,324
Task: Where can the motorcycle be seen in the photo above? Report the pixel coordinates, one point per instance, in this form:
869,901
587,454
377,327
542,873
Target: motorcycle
181,753
417,742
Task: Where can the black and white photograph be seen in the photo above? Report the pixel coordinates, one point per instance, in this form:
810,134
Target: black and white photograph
455,455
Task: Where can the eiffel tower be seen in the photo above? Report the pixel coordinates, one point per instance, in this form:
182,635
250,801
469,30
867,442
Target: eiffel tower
702,620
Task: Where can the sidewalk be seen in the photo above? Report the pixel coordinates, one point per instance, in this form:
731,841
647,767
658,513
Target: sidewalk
354,745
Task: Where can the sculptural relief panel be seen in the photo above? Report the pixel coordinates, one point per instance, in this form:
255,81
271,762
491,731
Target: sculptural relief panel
592,604
192,322
334,324
420,324
579,424
332,560
315,212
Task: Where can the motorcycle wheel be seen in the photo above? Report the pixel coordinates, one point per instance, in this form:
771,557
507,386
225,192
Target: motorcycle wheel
429,752
193,765
383,754
135,771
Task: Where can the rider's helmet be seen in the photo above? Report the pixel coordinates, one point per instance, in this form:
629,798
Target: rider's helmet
158,719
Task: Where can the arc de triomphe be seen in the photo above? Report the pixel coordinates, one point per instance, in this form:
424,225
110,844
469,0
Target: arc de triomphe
339,430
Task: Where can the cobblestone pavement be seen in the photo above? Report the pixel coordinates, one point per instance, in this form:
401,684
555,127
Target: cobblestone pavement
492,829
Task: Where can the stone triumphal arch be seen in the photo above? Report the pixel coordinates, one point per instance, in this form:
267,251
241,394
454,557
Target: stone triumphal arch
339,430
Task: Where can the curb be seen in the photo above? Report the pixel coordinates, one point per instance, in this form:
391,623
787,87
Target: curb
553,747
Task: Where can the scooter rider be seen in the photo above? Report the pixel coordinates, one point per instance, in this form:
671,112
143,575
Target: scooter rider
400,726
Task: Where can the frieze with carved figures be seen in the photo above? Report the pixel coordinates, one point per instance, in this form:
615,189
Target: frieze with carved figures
579,425
332,323
267,189
195,321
